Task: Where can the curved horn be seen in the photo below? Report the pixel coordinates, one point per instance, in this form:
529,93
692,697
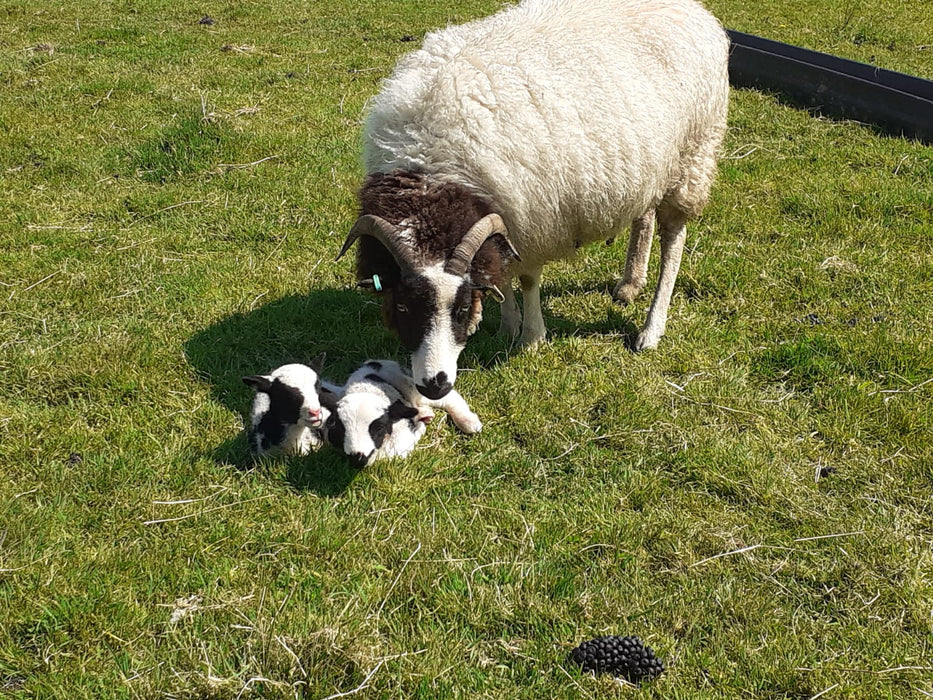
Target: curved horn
384,232
462,257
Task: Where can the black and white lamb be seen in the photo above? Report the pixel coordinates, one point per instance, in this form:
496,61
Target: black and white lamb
381,414
287,414
377,414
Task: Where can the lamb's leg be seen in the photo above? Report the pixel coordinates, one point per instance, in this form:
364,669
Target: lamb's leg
533,330
459,411
672,224
511,324
636,260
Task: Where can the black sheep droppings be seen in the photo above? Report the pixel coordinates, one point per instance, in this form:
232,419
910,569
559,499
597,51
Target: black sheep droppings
624,657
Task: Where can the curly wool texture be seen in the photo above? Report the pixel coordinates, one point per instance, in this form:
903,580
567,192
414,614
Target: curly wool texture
574,117
445,212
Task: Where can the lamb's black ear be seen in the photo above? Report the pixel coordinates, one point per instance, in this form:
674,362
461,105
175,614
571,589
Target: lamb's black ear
328,399
399,410
317,364
258,382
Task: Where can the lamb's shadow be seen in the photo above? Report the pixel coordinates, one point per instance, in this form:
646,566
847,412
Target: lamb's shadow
344,323
325,472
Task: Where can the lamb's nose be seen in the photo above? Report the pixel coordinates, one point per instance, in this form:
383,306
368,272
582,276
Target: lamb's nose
358,459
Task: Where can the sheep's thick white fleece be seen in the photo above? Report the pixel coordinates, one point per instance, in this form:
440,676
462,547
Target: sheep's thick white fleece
574,116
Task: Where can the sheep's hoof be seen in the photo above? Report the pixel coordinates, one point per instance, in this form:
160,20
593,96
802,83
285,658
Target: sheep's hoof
625,293
469,424
647,341
530,341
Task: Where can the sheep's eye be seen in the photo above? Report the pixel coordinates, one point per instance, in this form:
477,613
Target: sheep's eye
464,310
402,309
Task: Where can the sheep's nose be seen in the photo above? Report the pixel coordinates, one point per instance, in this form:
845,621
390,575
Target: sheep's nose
358,459
437,387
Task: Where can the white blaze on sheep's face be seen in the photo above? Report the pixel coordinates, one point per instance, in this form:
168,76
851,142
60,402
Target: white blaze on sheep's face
436,328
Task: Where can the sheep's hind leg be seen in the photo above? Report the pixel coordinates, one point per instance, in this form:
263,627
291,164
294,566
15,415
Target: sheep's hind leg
636,260
533,331
511,324
673,229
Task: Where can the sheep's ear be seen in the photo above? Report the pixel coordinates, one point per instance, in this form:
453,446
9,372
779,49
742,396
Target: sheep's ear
317,364
258,382
399,410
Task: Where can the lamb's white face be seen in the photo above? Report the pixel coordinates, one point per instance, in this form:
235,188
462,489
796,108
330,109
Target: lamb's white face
306,382
365,424
367,427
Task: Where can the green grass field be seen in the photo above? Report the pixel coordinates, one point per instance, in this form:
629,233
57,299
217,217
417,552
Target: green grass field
753,498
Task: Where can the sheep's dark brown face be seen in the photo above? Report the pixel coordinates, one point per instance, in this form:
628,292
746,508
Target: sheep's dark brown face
433,313
433,310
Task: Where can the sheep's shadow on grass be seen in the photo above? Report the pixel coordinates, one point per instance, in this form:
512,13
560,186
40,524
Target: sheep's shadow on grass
344,323
617,322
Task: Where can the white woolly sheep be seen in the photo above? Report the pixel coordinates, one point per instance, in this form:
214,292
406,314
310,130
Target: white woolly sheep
380,414
511,141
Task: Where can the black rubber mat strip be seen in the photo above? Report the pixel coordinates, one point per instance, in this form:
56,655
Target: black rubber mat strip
898,104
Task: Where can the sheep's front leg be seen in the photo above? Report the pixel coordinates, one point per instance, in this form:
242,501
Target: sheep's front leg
636,260
673,228
511,324
459,411
533,331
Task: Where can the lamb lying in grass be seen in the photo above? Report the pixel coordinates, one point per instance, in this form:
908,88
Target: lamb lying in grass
377,414
381,414
287,414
